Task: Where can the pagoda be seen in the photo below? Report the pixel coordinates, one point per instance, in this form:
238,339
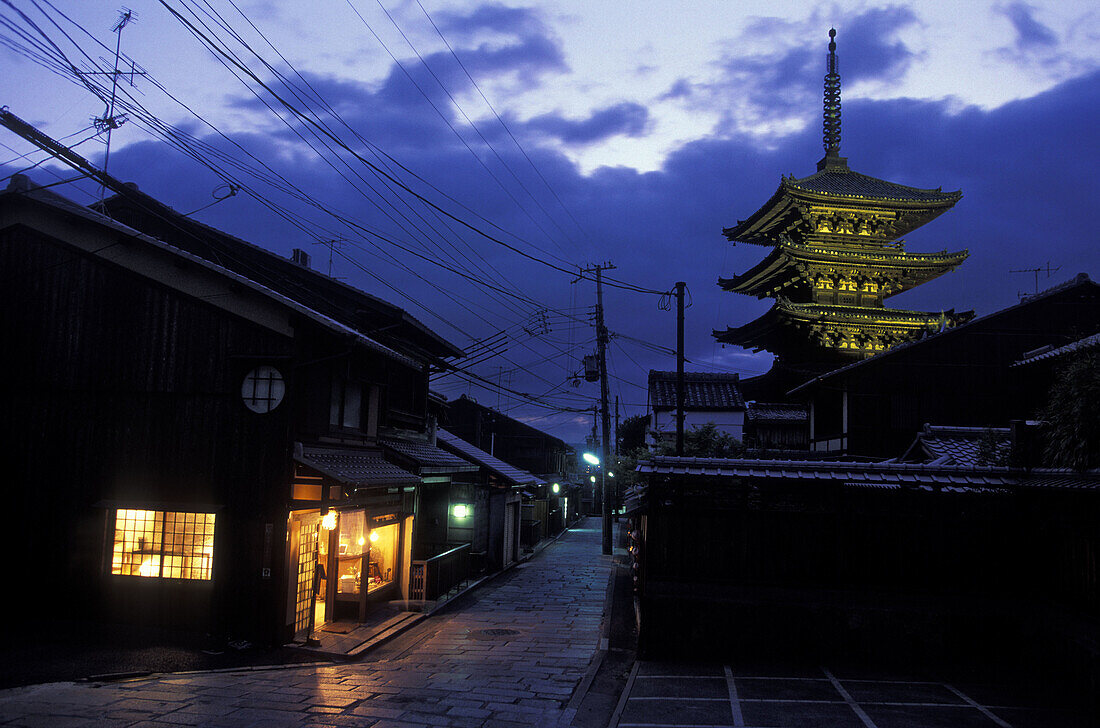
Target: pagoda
836,255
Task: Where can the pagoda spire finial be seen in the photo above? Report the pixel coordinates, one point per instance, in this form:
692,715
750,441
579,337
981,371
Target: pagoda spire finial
831,137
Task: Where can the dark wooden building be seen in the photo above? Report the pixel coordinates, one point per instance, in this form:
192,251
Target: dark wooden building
886,561
777,427
510,440
496,494
963,376
198,426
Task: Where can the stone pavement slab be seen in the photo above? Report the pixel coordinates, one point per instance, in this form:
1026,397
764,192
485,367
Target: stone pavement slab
670,694
511,653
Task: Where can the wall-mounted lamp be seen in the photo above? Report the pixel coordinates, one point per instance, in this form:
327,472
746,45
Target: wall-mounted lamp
556,487
461,510
374,536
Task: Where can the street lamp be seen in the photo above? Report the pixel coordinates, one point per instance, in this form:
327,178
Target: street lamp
591,459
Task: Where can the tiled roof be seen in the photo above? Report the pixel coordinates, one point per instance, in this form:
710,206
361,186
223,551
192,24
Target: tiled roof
356,467
702,391
311,288
21,186
845,183
960,445
842,472
429,459
1050,352
886,475
776,412
512,474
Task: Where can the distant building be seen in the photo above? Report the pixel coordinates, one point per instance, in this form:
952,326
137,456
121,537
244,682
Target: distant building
707,398
835,258
510,440
777,427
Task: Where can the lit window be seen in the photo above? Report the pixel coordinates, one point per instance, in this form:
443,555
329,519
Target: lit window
163,544
263,389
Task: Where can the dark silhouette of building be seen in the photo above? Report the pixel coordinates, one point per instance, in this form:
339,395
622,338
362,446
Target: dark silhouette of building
203,434
964,376
510,440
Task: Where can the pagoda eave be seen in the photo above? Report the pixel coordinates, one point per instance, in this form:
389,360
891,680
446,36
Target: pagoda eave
787,264
838,330
781,214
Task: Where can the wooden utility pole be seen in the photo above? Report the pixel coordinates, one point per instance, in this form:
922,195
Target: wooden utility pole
680,285
604,491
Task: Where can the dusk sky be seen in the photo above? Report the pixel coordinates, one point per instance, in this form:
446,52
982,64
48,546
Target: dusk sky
596,131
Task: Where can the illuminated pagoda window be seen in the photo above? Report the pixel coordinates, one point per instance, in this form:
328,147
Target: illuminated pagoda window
835,255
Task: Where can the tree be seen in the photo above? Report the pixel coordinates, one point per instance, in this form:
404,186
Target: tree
632,433
705,441
1071,429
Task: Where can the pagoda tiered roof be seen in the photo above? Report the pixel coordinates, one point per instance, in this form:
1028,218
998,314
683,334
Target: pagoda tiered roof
787,324
836,256
788,264
901,209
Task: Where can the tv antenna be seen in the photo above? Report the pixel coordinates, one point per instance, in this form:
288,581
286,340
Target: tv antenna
331,245
1036,271
110,121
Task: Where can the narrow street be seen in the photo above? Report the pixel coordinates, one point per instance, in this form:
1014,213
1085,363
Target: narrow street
510,654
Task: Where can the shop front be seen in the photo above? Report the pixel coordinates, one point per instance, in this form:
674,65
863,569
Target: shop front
349,536
364,560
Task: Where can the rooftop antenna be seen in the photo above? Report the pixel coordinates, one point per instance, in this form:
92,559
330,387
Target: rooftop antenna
1036,271
331,245
109,121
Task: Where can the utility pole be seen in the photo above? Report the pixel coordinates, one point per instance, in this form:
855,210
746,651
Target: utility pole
604,494
680,285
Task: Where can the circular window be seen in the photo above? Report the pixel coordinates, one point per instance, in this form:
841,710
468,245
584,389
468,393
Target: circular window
263,389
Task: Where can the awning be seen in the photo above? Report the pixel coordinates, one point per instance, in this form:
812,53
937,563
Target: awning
510,473
426,459
357,467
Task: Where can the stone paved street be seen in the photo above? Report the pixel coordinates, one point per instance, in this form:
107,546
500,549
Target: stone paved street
676,695
510,654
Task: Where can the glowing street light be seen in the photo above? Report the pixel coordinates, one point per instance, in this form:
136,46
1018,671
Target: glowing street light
556,487
591,459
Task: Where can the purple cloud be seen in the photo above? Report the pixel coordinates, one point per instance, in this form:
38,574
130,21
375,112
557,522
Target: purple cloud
1030,33
493,17
626,118
1025,169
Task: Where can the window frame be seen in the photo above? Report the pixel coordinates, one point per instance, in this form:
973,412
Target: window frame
182,535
